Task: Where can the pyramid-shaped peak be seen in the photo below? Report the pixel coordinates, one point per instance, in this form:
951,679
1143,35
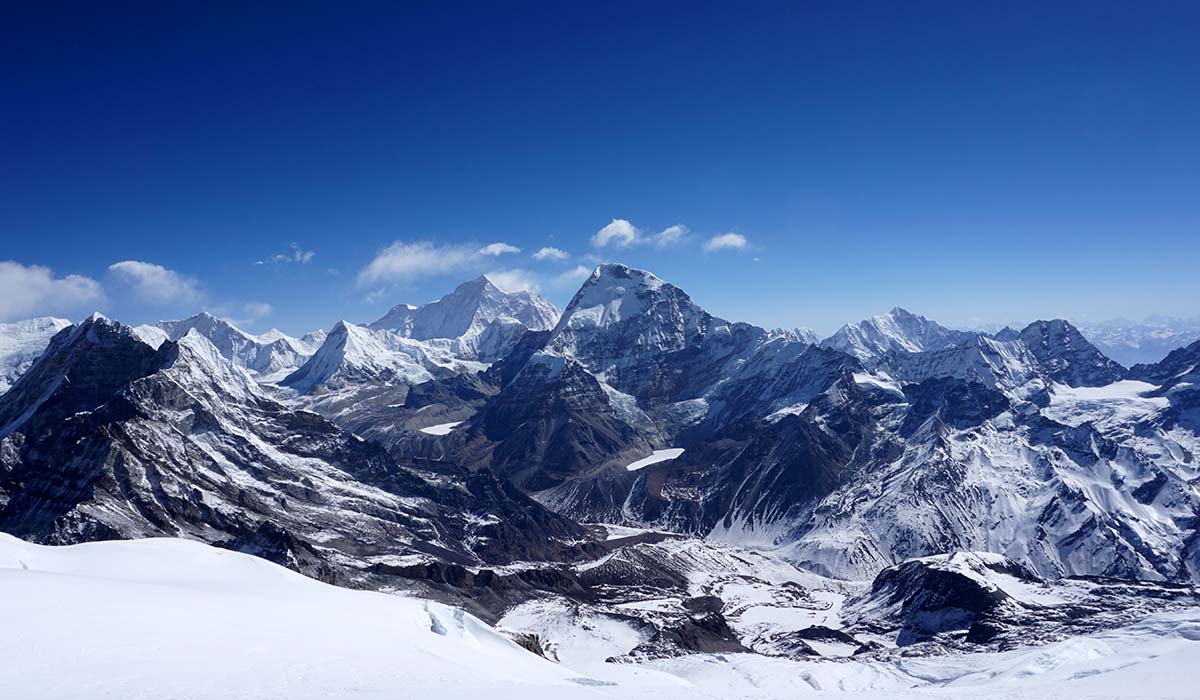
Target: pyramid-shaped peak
467,311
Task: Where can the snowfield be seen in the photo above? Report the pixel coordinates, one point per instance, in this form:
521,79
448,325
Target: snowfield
164,618
441,428
655,458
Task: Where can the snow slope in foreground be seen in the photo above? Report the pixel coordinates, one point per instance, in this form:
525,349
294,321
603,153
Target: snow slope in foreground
171,618
168,618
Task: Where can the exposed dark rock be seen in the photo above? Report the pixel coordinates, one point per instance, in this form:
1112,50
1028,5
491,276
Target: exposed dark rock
706,633
704,604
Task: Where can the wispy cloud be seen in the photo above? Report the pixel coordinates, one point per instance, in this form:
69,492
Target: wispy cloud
551,253
619,233
571,278
725,241
514,280
154,284
671,236
496,249
405,261
622,234
243,313
34,290
295,255
520,279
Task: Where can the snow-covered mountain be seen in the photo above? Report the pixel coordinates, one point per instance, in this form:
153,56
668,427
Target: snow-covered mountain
1046,351
899,330
648,339
485,318
271,355
21,343
1142,342
352,355
108,437
785,441
748,493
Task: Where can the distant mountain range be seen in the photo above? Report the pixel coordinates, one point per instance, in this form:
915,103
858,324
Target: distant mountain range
488,450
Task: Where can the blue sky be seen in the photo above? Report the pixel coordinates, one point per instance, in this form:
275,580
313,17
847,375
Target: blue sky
975,162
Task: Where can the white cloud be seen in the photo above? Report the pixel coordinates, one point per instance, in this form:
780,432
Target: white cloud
495,249
572,278
514,280
670,236
34,290
155,284
296,255
404,261
731,241
551,253
620,233
245,313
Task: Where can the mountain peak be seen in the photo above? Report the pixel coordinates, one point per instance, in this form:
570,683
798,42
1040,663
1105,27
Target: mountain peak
898,329
468,311
614,293
617,271
1067,356
81,367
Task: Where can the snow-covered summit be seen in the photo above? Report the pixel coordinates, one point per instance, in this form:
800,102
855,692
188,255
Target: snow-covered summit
630,307
468,311
898,329
270,355
354,354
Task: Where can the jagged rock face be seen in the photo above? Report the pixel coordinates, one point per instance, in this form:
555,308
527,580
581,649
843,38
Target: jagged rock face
1065,356
897,330
780,376
1050,351
113,438
976,599
1004,365
83,366
707,633
756,476
952,402
646,338
21,343
478,311
553,422
940,594
863,478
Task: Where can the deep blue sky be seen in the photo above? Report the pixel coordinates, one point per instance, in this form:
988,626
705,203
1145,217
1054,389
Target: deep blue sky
975,162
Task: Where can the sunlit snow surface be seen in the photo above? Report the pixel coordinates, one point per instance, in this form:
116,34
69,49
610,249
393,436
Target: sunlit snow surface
658,456
1117,404
441,428
169,618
